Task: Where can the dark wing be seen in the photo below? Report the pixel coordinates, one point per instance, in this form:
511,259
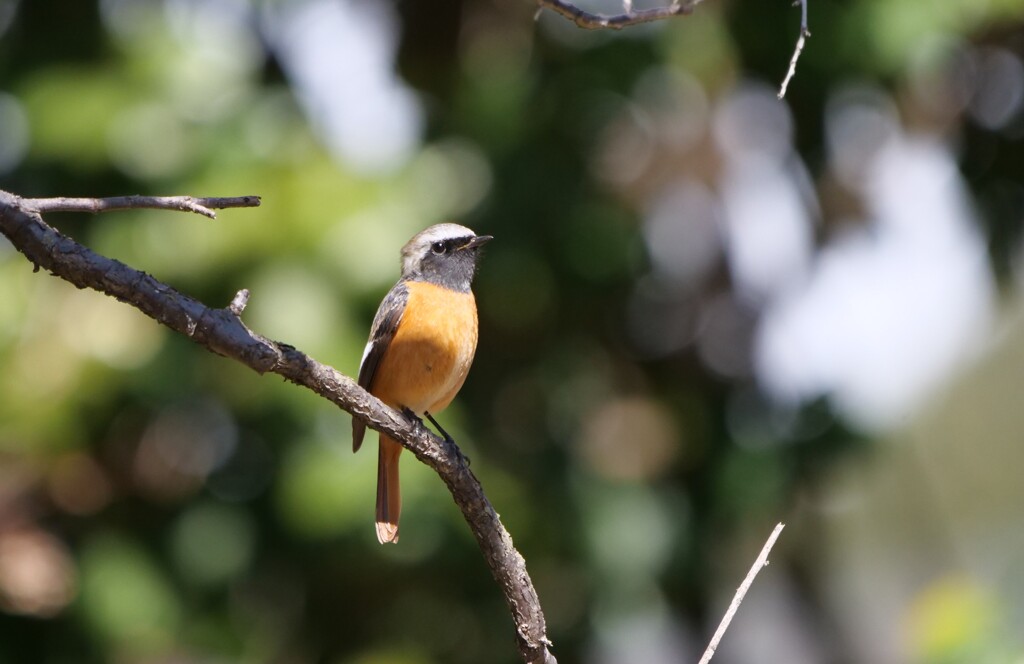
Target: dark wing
385,324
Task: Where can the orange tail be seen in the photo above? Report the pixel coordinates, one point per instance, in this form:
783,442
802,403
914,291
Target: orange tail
389,494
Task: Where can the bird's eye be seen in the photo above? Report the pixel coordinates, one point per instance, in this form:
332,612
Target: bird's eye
438,247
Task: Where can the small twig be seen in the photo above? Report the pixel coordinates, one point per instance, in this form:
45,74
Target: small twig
591,21
203,206
804,34
239,302
762,561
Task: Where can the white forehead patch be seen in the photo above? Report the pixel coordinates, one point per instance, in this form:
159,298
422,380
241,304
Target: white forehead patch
414,248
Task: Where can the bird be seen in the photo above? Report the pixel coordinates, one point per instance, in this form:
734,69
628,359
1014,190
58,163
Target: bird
422,343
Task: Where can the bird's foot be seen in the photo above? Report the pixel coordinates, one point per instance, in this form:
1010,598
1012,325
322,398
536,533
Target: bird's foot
413,418
447,438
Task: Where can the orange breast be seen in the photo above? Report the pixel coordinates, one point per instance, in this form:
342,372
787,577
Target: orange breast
430,355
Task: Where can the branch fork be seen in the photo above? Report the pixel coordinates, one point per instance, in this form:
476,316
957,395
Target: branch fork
203,206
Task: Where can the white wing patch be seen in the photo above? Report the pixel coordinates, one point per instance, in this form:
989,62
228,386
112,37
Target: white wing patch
366,353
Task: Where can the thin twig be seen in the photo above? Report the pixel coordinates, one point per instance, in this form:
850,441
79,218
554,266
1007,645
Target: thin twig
203,206
222,331
631,16
762,561
804,34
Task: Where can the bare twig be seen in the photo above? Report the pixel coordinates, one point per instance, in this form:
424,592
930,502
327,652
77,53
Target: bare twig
203,206
631,16
239,302
223,332
762,561
804,34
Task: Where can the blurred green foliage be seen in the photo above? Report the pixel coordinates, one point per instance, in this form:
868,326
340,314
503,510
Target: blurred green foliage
197,512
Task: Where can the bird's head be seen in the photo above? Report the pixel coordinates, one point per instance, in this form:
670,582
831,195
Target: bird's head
444,254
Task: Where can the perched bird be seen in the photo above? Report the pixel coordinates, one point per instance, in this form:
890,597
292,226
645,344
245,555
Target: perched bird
421,346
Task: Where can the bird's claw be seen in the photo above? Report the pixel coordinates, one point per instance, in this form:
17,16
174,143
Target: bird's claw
413,418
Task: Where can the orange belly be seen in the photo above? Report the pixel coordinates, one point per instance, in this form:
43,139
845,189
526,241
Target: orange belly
428,358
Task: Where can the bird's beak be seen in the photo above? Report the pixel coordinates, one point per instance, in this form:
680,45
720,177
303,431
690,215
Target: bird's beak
478,241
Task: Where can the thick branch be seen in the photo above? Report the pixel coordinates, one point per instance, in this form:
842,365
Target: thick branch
591,21
222,331
203,206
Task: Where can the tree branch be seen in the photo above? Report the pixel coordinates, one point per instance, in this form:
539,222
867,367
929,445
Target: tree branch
801,40
631,16
223,332
741,592
591,21
203,206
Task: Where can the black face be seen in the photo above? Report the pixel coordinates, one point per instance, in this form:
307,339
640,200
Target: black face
451,263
